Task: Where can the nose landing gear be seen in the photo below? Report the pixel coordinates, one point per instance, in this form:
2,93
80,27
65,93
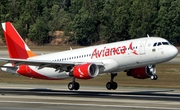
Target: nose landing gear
154,77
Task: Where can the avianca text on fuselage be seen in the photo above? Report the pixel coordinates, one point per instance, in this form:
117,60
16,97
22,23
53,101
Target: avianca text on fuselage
105,52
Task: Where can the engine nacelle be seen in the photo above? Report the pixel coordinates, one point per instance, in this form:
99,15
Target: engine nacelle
85,71
142,72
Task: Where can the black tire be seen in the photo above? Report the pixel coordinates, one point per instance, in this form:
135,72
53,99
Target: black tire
77,86
114,85
109,85
71,86
155,77
152,77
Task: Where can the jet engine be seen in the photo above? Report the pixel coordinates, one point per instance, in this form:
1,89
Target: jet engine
85,71
143,72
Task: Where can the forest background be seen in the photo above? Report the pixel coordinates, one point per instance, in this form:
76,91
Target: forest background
90,22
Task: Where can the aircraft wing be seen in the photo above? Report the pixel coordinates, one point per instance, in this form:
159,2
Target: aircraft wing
44,63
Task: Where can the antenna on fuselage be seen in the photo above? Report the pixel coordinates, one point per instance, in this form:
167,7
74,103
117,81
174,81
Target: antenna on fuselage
148,35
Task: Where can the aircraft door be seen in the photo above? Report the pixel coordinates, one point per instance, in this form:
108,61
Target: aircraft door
142,47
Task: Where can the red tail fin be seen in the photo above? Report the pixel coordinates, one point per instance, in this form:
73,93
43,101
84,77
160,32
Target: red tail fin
17,48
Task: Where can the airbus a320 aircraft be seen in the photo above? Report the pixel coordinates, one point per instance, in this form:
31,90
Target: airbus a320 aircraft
137,57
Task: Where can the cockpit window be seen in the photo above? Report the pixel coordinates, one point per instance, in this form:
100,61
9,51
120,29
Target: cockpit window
155,44
165,43
159,43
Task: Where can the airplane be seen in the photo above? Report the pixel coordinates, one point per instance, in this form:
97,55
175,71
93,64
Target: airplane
137,57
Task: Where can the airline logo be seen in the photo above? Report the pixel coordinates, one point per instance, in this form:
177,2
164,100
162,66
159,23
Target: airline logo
98,53
81,73
17,48
133,50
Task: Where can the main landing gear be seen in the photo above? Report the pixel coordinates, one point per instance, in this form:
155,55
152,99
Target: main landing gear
112,85
73,85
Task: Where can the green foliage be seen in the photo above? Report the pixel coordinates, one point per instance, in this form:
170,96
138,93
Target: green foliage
38,32
115,20
86,23
93,21
168,20
143,15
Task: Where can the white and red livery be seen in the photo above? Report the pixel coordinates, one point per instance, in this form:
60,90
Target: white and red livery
137,57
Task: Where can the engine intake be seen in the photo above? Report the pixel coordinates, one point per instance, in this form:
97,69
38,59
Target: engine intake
85,71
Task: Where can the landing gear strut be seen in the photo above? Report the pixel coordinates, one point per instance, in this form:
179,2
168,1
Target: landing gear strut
112,85
73,85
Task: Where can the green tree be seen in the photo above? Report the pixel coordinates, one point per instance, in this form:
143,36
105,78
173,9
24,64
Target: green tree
59,18
38,32
91,21
143,16
86,22
175,12
115,20
168,20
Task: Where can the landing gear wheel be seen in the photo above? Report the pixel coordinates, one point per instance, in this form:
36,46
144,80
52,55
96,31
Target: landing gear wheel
112,85
73,85
76,86
154,77
109,85
115,85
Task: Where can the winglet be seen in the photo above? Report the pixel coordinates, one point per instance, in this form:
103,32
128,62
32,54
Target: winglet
17,48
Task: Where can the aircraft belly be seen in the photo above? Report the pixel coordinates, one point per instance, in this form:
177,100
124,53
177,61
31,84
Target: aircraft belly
126,61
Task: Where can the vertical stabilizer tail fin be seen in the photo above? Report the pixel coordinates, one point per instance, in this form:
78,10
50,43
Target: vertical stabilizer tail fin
17,48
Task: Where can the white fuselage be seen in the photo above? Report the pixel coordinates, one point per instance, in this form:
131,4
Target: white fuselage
115,57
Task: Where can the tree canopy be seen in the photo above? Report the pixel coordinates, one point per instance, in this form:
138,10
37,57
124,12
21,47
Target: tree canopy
88,22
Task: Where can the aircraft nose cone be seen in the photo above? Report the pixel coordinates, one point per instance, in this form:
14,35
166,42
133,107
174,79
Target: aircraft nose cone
173,51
